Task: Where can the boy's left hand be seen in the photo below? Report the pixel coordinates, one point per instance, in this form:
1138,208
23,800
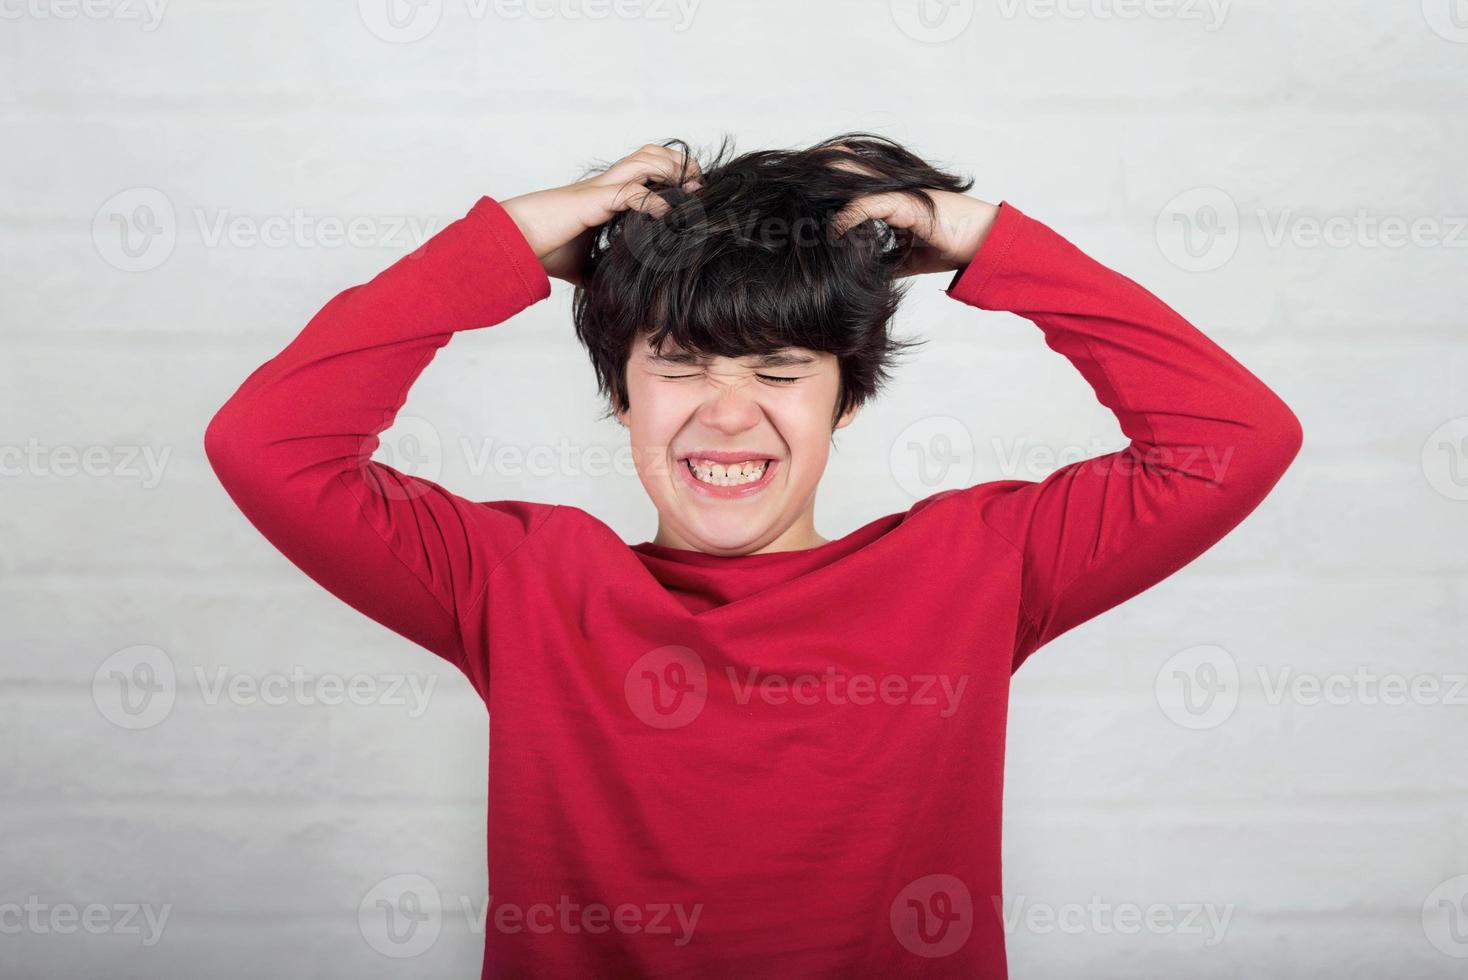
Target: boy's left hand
944,243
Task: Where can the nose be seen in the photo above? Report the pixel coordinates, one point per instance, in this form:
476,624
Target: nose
730,408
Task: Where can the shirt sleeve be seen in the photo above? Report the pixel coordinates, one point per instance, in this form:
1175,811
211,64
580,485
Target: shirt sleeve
293,445
1208,440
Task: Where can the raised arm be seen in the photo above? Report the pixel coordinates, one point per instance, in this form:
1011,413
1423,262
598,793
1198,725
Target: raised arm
293,445
1208,440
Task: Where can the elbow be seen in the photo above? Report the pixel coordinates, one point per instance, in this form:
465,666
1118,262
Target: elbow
1286,438
1273,443
222,442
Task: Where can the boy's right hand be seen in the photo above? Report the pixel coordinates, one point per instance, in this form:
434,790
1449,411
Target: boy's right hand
559,222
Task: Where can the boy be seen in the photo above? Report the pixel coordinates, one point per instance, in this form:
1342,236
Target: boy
741,749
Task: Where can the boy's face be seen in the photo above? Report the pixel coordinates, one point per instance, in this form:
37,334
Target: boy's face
772,415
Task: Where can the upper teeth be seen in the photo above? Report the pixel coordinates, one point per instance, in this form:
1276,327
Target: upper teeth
727,475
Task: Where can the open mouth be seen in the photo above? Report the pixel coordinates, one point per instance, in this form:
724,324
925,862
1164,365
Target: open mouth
728,477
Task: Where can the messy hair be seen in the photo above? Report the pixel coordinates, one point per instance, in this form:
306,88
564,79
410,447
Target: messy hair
746,264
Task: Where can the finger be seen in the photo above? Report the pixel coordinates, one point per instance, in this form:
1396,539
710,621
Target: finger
851,165
651,163
684,164
636,196
895,209
661,162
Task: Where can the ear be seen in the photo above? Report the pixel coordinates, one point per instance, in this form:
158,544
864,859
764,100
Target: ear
846,419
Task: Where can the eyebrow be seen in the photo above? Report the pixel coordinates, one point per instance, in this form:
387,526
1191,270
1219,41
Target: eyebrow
776,359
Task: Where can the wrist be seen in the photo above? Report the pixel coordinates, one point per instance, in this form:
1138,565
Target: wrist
975,224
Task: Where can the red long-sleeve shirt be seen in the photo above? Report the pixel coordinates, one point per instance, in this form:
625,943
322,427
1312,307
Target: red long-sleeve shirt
785,764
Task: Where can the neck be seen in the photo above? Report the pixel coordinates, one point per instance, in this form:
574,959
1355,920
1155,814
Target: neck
800,536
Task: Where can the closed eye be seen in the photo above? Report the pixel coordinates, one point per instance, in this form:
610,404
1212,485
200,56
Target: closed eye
772,378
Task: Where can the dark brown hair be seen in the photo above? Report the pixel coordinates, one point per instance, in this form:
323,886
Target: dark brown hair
746,265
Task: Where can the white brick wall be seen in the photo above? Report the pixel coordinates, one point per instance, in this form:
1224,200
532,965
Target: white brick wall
1317,832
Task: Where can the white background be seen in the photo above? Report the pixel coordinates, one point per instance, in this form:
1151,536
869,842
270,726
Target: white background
1324,830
